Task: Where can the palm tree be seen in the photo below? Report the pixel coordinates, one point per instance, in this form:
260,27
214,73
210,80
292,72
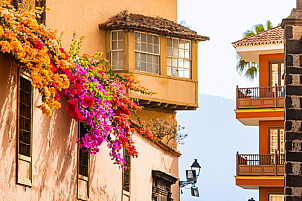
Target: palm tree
250,69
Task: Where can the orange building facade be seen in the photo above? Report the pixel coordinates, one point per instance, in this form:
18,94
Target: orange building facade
145,41
263,106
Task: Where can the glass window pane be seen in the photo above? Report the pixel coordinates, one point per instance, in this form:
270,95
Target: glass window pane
282,141
169,42
137,36
155,68
187,54
149,37
143,37
121,35
144,57
150,48
137,65
114,35
121,60
156,40
169,51
149,58
181,53
169,71
137,56
174,62
137,46
169,61
187,64
273,140
180,72
175,43
175,52
155,59
143,47
174,72
180,63
282,74
187,45
149,68
156,49
186,73
120,45
114,45
182,44
143,66
274,75
114,58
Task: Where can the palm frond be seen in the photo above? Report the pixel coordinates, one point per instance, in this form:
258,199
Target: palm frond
241,65
252,71
269,25
248,33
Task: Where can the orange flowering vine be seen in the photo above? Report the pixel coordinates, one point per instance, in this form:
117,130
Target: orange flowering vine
35,50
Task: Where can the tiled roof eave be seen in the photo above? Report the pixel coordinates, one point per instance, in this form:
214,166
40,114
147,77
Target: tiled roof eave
258,44
157,31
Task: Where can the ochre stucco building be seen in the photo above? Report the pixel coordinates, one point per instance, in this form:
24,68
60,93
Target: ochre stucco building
145,41
263,106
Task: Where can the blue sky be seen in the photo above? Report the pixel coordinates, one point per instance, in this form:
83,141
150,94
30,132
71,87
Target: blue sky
224,21
214,133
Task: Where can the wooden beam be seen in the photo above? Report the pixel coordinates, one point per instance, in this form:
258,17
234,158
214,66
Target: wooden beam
144,102
155,104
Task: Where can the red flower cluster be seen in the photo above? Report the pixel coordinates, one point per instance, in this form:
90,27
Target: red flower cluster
88,101
74,112
37,44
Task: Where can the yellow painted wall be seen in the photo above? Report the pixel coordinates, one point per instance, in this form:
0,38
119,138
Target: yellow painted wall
85,16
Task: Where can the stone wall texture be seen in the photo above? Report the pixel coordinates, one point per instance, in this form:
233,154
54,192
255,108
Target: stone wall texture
293,106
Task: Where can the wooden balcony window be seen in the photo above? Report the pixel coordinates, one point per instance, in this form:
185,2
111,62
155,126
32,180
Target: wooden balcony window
260,97
260,164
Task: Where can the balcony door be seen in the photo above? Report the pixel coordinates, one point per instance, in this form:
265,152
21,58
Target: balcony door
276,141
276,73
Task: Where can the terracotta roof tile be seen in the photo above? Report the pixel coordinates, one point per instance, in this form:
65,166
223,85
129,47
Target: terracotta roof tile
271,36
154,24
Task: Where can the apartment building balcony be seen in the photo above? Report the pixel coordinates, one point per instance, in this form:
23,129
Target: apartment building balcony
259,103
255,170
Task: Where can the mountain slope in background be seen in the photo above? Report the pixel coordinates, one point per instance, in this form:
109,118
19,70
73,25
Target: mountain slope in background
214,138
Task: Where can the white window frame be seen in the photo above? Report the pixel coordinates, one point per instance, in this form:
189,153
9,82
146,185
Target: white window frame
119,67
148,53
174,57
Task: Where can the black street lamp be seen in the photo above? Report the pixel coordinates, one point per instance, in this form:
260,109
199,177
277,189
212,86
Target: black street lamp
196,166
192,178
